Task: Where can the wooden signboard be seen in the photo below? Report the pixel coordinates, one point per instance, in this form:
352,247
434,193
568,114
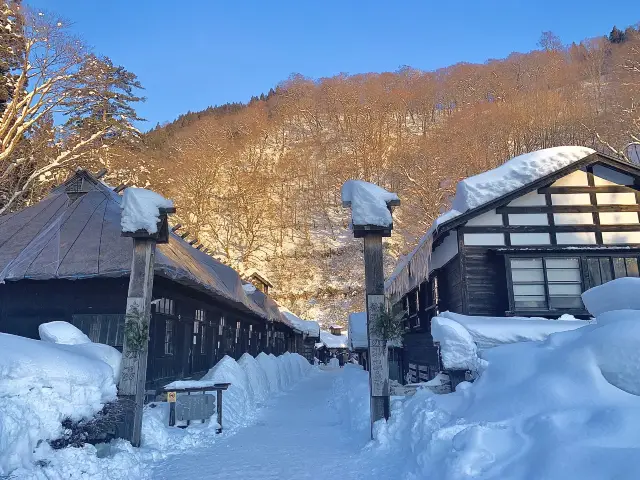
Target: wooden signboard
377,349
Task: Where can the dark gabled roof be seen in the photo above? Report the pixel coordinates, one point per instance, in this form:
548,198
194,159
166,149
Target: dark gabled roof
75,233
594,158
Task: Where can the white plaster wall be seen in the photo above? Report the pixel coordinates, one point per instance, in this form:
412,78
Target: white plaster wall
484,239
615,218
530,239
574,179
627,198
571,199
616,238
490,218
576,238
528,219
528,200
573,218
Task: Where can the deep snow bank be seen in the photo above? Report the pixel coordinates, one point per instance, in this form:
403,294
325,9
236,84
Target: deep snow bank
462,337
563,408
41,384
118,460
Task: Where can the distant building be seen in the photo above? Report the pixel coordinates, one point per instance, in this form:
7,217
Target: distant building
335,330
259,281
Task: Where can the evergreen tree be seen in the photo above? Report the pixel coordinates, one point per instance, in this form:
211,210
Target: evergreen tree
616,35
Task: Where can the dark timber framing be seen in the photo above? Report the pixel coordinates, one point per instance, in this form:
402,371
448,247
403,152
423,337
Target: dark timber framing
477,280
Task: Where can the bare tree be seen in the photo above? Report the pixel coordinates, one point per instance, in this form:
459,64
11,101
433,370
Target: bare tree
55,76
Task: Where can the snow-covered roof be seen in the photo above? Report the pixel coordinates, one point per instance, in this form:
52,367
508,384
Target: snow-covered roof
462,336
368,203
69,237
333,341
308,327
358,330
141,210
473,193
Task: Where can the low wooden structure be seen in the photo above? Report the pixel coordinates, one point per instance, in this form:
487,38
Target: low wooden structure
530,252
64,259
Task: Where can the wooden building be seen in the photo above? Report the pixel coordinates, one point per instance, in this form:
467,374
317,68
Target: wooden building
309,334
64,259
330,345
529,251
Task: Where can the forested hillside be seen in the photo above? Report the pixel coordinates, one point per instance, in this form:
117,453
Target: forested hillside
259,184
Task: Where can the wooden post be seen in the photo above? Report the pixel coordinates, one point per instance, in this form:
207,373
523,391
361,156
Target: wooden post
378,361
377,355
131,388
219,410
133,375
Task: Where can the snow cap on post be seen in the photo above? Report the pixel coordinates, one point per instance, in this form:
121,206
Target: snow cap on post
370,207
144,215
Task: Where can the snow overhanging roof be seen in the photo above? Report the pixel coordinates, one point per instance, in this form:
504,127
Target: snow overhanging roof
308,327
70,236
482,192
333,341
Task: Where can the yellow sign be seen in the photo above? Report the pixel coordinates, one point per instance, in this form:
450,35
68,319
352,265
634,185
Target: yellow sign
171,397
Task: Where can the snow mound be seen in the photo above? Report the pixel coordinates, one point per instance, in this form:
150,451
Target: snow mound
515,173
62,332
563,408
256,376
368,203
41,384
140,210
270,368
457,348
238,399
462,337
619,294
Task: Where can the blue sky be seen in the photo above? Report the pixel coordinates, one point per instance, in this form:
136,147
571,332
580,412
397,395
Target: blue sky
196,53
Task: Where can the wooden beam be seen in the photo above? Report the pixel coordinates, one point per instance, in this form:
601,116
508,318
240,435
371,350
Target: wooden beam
177,226
120,187
594,202
551,220
131,387
185,234
101,173
195,240
589,189
634,227
570,209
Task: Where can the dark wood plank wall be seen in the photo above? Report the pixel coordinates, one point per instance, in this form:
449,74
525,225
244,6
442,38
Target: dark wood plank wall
450,285
484,282
26,304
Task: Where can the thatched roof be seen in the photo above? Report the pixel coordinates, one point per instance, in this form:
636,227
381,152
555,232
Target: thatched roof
74,233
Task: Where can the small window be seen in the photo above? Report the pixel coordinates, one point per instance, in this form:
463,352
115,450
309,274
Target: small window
165,306
168,337
203,339
546,284
200,315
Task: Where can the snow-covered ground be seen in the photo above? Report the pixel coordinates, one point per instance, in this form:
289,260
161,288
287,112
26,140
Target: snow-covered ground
44,384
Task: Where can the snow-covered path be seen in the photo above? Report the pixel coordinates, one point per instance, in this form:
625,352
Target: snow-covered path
297,436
